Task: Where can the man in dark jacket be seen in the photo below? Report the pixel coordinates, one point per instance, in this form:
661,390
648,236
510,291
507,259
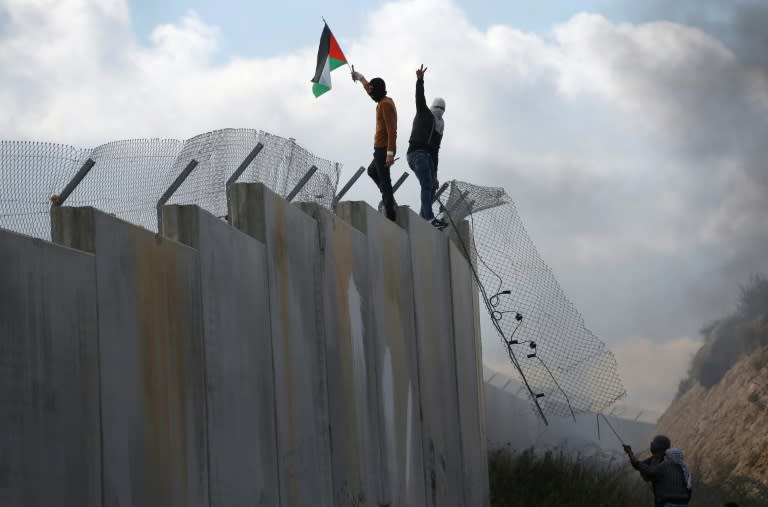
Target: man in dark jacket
669,482
422,149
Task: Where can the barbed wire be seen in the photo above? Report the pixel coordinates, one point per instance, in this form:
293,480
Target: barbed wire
130,176
566,368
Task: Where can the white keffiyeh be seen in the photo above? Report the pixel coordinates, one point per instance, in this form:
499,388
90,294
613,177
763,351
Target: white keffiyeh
438,108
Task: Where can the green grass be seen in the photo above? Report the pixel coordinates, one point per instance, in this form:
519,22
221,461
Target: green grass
555,479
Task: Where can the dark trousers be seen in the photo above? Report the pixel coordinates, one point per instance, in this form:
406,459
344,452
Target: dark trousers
379,173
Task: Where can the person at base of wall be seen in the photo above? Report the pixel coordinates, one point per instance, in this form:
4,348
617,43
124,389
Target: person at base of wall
668,474
384,140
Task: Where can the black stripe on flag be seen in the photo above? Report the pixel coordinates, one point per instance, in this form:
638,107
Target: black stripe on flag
323,53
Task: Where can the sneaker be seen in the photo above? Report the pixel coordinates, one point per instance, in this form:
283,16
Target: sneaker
440,224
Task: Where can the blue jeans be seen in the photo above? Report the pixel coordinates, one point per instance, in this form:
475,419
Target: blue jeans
421,163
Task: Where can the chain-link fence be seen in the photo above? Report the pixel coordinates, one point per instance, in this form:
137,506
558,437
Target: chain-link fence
130,176
568,370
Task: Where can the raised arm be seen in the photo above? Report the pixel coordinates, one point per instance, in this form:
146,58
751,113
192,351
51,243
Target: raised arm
421,101
356,76
648,471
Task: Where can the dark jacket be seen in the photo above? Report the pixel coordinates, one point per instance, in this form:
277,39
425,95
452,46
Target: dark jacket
423,134
667,479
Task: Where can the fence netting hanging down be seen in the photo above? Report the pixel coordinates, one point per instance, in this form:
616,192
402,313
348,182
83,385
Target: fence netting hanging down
130,176
567,368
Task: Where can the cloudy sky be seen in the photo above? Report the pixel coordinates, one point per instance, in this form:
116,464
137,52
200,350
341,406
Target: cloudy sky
630,134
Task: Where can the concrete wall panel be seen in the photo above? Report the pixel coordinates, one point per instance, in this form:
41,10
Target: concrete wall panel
396,362
49,378
469,368
291,239
345,314
430,266
238,357
151,361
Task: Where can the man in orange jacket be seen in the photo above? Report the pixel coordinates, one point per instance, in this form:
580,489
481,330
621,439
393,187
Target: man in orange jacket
384,140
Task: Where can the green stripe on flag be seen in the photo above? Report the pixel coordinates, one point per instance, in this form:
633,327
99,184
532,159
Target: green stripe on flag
335,63
319,89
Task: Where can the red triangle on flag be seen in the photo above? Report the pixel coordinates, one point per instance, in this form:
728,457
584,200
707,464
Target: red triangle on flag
334,51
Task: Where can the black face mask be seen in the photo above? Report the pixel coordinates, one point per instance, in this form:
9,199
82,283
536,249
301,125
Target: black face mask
659,444
378,89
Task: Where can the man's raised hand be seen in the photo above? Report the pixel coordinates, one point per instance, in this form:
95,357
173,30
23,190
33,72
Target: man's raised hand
420,72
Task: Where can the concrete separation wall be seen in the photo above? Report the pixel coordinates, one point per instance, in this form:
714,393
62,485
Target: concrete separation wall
238,357
293,358
430,267
469,370
291,239
344,310
396,363
49,385
151,361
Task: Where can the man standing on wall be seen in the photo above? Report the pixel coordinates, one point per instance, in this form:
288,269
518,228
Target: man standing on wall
384,146
426,136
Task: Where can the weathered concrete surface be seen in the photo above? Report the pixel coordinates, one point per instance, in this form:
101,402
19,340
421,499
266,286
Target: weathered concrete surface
396,364
345,315
238,357
49,377
151,361
469,369
430,266
291,239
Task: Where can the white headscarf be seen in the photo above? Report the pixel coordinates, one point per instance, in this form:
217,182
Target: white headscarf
438,108
675,455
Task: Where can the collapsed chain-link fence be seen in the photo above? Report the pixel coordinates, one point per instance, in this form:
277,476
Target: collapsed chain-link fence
566,368
130,176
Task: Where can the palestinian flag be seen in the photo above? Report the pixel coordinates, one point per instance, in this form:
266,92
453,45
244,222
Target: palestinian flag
329,57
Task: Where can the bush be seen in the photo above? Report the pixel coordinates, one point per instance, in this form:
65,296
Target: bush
555,479
727,340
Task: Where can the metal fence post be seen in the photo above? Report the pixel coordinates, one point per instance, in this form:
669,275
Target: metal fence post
346,187
244,164
399,182
303,181
168,193
440,191
58,200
